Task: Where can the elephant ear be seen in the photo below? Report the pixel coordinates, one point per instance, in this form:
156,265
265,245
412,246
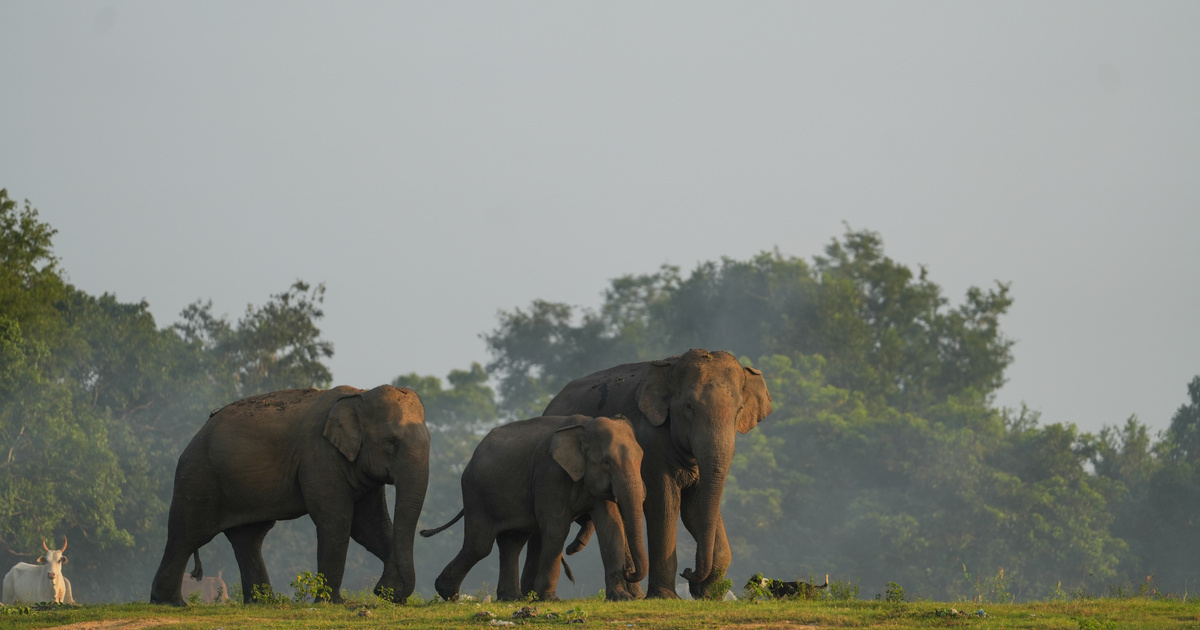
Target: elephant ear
654,394
341,427
756,401
567,449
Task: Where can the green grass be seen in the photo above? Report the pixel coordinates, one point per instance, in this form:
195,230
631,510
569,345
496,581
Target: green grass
1083,614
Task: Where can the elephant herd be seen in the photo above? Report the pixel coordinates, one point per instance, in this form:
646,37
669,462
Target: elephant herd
641,442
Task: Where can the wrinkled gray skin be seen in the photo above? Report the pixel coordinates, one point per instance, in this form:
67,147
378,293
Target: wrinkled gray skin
278,456
685,412
528,480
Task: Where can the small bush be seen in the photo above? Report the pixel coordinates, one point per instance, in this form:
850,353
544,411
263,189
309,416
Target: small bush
311,587
264,594
576,615
989,589
893,593
754,590
843,590
717,590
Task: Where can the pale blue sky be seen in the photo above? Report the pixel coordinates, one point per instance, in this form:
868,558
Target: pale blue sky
433,163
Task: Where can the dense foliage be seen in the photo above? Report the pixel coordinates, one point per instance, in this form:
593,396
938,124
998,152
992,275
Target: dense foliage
885,459
96,403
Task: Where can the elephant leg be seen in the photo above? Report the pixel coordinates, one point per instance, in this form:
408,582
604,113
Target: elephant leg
165,589
509,585
547,554
477,544
614,552
529,574
247,548
692,512
662,516
372,528
191,523
333,537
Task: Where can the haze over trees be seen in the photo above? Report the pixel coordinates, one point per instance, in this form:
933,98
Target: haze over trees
885,458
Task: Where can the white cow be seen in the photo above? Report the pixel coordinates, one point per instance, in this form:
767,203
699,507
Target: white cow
211,589
42,582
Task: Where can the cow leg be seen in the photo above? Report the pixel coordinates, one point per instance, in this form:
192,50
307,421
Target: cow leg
247,548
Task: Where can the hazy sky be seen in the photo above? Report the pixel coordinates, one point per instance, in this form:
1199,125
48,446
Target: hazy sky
433,163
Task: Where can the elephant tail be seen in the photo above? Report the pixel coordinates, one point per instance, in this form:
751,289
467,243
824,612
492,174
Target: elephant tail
567,569
426,533
197,570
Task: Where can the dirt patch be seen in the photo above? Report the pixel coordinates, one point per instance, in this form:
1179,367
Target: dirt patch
120,624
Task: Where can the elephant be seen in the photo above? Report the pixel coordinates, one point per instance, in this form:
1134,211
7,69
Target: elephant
686,411
527,481
278,456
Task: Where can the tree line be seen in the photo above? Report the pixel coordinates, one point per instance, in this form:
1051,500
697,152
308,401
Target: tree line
886,458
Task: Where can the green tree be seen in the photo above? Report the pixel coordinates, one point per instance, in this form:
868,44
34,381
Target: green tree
1156,488
96,402
275,346
883,331
58,469
883,495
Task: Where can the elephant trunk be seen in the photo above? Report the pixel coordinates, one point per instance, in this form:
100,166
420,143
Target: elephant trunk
410,497
706,513
630,501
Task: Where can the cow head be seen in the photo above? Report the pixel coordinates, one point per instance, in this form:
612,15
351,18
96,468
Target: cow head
54,558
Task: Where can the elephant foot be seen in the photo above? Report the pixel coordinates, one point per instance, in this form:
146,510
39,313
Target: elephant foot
617,588
395,597
619,594
444,590
658,592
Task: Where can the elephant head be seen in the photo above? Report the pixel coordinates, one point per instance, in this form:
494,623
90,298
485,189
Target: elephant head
605,454
705,398
382,433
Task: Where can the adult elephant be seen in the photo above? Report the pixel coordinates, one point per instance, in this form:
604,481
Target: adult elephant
686,411
278,456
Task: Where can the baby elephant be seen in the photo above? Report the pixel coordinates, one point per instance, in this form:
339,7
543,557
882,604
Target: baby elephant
780,589
528,481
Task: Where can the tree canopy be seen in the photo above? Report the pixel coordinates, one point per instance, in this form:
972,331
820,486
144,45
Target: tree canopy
882,330
97,401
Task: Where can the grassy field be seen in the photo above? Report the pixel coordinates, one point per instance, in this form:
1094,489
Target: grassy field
1073,614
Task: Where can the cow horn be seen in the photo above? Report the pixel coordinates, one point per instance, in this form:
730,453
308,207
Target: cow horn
44,545
65,548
